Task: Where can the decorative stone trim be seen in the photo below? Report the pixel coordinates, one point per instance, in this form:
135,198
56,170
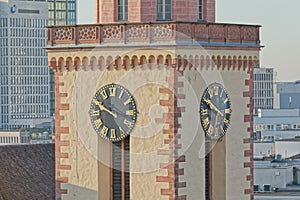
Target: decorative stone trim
59,154
201,62
249,118
173,140
244,35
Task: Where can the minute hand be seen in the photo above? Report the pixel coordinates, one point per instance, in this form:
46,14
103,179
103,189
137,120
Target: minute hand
119,112
102,107
212,106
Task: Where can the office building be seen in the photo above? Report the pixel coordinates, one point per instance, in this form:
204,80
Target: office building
128,93
263,97
289,94
62,12
276,124
24,90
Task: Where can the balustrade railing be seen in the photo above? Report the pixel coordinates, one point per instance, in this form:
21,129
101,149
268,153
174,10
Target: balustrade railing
153,32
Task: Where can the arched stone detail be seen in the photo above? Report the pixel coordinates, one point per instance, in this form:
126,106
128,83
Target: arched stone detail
143,60
151,60
224,62
179,62
109,63
118,63
93,63
126,62
245,63
69,63
168,60
52,64
230,62
191,62
234,62
85,63
240,62
61,63
196,62
77,63
202,62
101,63
218,62
207,62
134,61
213,62
160,59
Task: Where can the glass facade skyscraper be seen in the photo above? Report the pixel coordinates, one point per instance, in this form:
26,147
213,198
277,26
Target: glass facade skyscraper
62,12
24,72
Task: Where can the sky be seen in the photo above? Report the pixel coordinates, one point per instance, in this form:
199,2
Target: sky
280,31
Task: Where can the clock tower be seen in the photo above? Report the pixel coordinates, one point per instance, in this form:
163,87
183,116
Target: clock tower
154,102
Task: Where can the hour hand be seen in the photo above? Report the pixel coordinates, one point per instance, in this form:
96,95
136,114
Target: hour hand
102,107
212,106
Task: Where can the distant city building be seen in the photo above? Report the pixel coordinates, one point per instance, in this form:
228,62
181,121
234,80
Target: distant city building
24,72
279,174
62,12
289,94
263,149
263,97
287,147
10,137
276,124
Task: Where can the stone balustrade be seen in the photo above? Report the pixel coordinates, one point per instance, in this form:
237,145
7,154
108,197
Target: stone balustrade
204,33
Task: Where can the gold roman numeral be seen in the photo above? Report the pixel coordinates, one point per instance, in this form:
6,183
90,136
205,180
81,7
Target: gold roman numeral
112,91
226,122
226,100
127,101
216,131
122,133
104,95
129,112
210,93
228,111
129,124
98,123
121,94
221,94
206,122
209,130
204,111
95,113
104,130
216,90
113,134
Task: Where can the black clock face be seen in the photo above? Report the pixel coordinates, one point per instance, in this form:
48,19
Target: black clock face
113,112
215,111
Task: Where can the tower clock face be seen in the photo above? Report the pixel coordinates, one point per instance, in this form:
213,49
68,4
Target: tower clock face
113,112
215,111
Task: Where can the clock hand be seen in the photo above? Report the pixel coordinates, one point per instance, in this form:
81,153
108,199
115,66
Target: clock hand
212,106
102,107
119,112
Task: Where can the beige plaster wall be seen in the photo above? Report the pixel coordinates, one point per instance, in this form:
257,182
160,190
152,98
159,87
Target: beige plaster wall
228,155
90,155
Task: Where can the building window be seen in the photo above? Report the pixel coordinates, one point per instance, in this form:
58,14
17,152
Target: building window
200,10
123,10
164,10
121,169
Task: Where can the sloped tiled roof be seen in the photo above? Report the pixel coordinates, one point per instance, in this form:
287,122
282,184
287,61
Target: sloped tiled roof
27,172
